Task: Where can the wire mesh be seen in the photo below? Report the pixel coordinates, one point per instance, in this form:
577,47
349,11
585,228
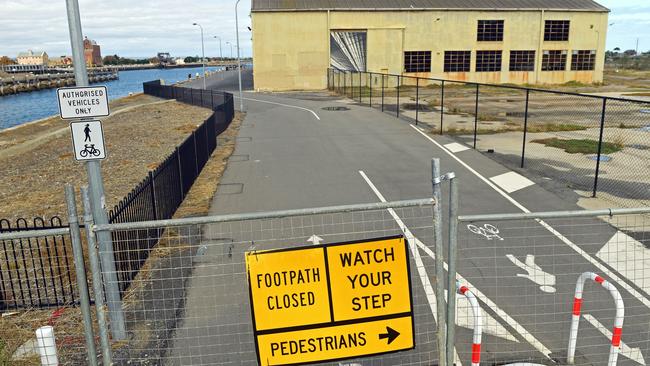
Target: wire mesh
524,274
189,304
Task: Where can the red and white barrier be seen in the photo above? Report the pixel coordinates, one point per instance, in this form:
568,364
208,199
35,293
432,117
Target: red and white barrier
615,348
478,324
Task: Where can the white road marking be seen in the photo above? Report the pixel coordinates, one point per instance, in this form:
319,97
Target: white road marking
465,319
283,105
534,272
512,182
548,227
456,147
315,239
629,257
633,354
422,272
488,231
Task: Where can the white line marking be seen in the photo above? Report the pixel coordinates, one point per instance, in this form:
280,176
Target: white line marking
548,227
283,105
512,182
422,272
455,147
633,354
628,257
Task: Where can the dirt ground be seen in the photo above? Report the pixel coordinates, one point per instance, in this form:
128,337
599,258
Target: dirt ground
17,328
140,133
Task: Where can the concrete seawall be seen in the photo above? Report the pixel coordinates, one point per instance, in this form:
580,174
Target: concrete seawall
27,83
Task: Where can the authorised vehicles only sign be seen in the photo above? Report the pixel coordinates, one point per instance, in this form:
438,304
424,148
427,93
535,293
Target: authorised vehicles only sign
83,102
331,302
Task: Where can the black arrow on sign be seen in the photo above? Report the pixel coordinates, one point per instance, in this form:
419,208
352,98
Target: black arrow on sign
391,334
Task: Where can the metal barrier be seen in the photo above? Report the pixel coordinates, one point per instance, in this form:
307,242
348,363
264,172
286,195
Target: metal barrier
592,144
478,324
575,319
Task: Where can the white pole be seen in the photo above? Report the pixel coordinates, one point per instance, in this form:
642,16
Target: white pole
241,96
202,54
47,346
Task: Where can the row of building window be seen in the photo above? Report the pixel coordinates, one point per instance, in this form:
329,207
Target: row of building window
492,30
490,61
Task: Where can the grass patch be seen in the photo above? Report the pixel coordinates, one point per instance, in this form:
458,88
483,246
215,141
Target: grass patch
637,94
584,146
555,127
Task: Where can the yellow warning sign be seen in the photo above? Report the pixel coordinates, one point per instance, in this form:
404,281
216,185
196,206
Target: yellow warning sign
330,302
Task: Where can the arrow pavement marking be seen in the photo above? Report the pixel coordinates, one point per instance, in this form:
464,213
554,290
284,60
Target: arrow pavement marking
391,334
422,272
525,334
593,261
465,319
315,239
633,354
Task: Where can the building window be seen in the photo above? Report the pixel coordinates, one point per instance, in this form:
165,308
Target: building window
417,61
522,60
457,61
488,61
583,60
556,30
490,30
554,61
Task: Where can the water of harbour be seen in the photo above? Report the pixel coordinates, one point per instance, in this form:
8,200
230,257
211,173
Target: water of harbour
20,108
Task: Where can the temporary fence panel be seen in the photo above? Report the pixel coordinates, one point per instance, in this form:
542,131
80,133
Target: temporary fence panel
523,269
191,302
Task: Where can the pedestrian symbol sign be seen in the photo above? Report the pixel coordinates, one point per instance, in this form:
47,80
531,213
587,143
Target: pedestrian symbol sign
331,302
88,140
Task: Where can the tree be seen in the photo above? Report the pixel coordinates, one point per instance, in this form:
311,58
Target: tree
4,60
111,60
191,60
617,49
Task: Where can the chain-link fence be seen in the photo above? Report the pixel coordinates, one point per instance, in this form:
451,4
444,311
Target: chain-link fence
524,270
594,145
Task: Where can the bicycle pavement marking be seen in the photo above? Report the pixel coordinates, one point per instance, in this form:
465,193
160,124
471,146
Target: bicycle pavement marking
644,300
525,334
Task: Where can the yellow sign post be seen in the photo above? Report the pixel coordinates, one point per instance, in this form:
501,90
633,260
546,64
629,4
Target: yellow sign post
331,302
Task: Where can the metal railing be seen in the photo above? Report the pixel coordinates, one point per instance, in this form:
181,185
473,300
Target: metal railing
593,144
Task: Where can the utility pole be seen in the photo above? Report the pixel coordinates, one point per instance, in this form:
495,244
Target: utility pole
220,53
202,55
637,46
96,185
241,96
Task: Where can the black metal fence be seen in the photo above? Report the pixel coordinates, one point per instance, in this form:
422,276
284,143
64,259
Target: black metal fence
38,272
591,144
162,191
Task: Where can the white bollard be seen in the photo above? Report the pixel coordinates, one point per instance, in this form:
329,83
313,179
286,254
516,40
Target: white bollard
47,346
478,323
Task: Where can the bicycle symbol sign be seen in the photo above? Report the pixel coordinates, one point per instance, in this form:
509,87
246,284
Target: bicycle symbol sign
88,140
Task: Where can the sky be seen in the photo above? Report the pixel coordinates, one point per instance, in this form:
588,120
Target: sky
142,28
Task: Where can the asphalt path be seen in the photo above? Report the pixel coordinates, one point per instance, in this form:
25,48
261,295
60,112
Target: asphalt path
293,154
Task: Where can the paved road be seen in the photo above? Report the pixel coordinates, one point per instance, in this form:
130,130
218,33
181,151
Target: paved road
293,154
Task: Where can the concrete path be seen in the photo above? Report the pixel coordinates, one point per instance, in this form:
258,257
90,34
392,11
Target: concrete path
293,154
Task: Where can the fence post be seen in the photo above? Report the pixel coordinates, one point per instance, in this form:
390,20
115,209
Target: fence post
476,117
382,91
80,270
370,89
180,174
442,104
98,288
600,146
360,87
439,260
523,147
452,251
153,195
417,100
196,154
398,82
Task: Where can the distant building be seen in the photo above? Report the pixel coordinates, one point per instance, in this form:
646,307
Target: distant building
180,61
32,58
500,41
61,61
164,58
92,53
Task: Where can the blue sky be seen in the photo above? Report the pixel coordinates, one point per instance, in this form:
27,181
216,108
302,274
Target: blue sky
144,27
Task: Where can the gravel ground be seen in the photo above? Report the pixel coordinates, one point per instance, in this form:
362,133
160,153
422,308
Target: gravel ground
137,140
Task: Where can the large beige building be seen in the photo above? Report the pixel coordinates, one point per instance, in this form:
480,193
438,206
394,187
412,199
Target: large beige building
497,41
32,58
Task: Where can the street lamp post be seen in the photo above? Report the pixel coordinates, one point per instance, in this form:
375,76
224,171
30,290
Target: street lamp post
220,53
202,53
230,49
241,96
